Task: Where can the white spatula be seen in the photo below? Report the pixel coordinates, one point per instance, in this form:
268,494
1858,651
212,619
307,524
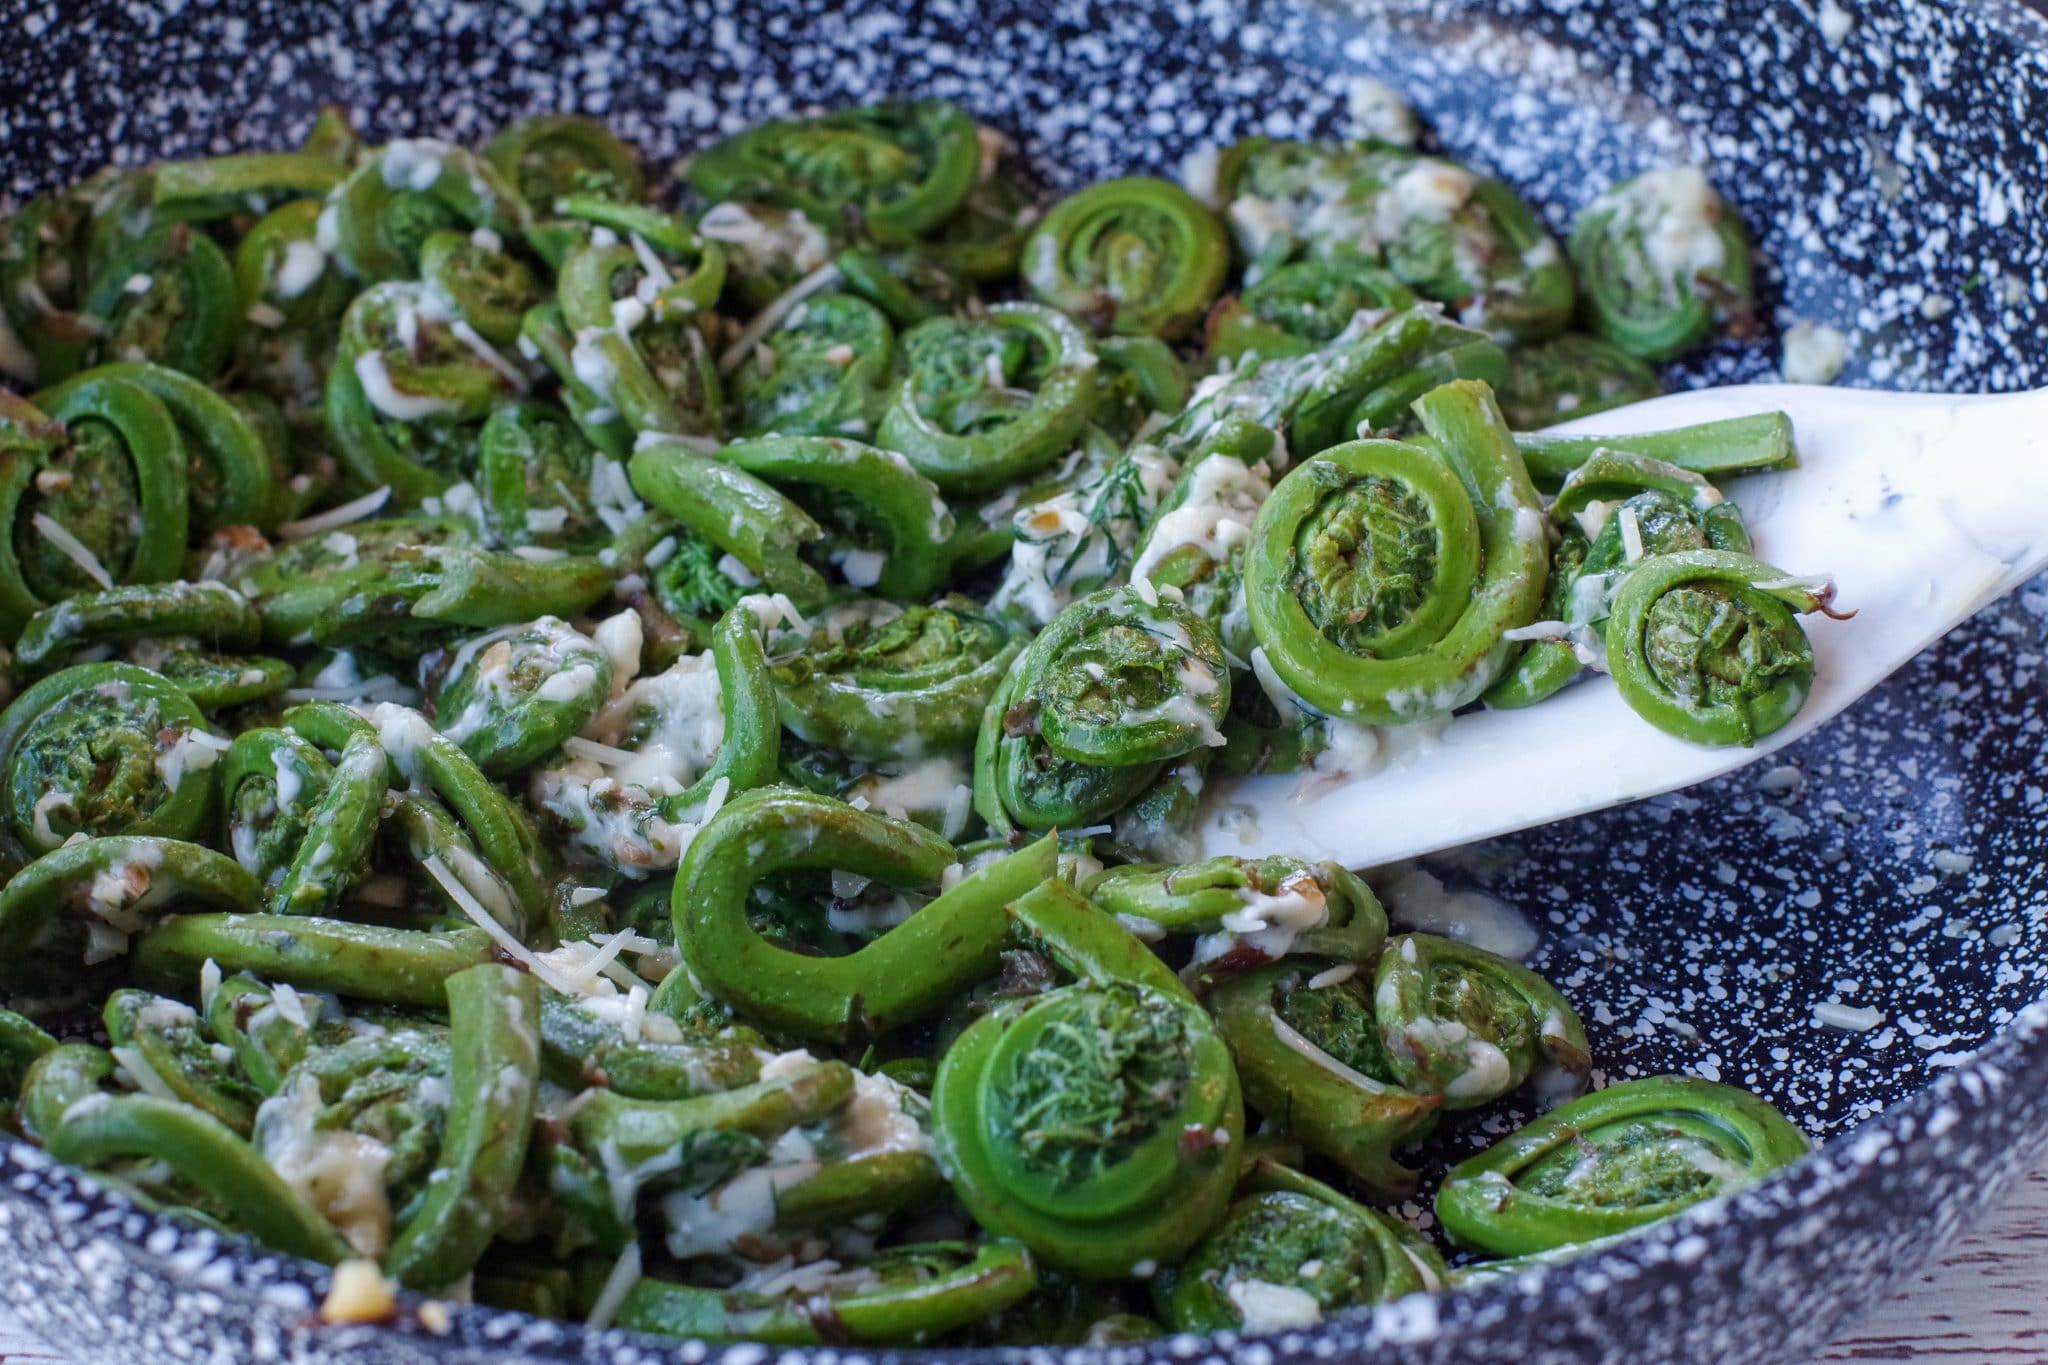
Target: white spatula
1923,508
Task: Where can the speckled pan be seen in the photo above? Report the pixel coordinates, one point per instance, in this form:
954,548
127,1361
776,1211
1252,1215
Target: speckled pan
1893,164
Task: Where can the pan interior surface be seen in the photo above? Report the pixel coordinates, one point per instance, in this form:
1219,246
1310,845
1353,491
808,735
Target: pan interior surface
1833,929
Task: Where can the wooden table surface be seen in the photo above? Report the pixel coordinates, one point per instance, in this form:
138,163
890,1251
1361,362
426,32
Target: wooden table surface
1985,1300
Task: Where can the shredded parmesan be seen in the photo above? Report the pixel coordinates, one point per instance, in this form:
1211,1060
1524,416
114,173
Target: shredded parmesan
73,548
824,277
333,518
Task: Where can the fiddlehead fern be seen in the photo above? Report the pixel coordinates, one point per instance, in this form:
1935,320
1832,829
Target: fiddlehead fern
1706,645
992,400
1291,1253
79,1122
1269,906
876,681
1663,262
1463,1023
91,494
103,749
907,1294
953,941
553,156
1453,236
229,475
823,371
1611,1161
183,317
312,953
510,697
1302,306
84,901
1383,576
637,310
1137,255
377,219
409,387
1307,1046
144,611
888,171
666,751
871,490
1114,688
1097,1124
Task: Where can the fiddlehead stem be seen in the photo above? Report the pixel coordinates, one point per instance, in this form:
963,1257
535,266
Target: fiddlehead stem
1571,376
361,961
954,941
80,1123
83,902
1137,255
1611,1161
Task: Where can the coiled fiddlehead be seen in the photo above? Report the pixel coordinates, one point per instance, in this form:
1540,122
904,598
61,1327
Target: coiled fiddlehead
1137,255
377,219
1611,1161
229,474
1466,1024
1706,645
725,506
1271,906
1114,688
670,747
993,400
889,172
1453,236
1292,1252
1663,261
91,494
1612,511
410,385
553,156
1307,1047
1383,576
876,681
866,490
1099,1123
182,317
1302,306
511,697
638,311
534,475
104,749
823,371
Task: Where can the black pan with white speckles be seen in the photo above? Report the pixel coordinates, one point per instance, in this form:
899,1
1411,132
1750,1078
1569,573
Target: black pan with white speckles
1895,175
